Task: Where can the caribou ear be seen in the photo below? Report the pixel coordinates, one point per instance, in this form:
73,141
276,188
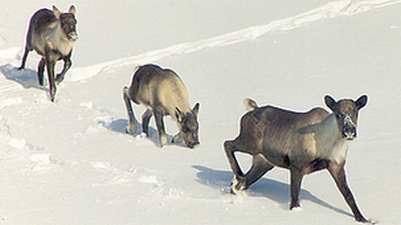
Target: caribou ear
56,12
195,109
72,10
330,102
361,101
178,114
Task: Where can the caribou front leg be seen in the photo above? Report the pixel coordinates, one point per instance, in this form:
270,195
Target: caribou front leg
296,181
178,138
50,73
338,174
159,113
67,66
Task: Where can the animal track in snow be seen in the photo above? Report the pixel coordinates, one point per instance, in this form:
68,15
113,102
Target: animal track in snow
44,161
111,175
148,180
330,10
17,143
9,101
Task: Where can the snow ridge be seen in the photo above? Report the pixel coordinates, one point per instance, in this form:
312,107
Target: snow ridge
330,10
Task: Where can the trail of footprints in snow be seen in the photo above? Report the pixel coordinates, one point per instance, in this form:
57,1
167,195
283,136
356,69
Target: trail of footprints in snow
125,176
129,176
330,10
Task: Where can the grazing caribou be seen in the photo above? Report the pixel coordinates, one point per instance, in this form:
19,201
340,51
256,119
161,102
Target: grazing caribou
301,142
51,34
163,93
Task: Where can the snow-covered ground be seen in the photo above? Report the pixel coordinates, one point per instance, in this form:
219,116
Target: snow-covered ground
70,162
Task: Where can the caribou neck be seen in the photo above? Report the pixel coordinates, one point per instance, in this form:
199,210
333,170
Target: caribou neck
59,41
330,143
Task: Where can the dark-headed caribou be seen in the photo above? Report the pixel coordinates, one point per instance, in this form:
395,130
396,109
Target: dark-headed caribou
51,34
301,142
163,93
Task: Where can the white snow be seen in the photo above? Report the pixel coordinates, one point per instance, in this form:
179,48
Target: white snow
70,162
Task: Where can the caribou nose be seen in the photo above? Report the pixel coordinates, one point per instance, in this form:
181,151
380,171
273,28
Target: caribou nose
194,144
73,36
349,133
349,129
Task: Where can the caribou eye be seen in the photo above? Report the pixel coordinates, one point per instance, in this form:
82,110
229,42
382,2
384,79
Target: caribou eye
340,115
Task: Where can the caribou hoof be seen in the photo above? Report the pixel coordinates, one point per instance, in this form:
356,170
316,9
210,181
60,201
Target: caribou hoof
59,79
177,139
295,207
237,185
130,128
163,140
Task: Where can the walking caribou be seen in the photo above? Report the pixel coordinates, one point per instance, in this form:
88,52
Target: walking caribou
51,34
163,93
301,142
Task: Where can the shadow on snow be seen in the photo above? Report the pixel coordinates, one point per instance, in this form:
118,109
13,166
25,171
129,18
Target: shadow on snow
27,78
119,126
274,190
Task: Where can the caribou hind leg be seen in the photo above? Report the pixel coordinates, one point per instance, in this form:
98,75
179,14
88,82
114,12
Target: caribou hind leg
41,70
132,122
259,167
26,52
230,148
28,48
145,121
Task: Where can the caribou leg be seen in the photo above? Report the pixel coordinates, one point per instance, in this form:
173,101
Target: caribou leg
296,180
132,122
50,73
26,52
338,174
41,70
67,66
239,180
259,167
159,113
145,121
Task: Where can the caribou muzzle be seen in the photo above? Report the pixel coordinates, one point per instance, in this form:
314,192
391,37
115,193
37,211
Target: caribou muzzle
349,129
73,36
193,144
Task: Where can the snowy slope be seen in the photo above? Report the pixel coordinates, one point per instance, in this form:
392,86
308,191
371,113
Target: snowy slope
70,162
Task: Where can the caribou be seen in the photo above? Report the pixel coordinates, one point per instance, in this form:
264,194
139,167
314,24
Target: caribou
164,94
51,34
301,142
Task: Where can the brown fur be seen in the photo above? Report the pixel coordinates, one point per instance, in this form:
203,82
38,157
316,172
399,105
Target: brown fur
301,142
51,34
164,94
